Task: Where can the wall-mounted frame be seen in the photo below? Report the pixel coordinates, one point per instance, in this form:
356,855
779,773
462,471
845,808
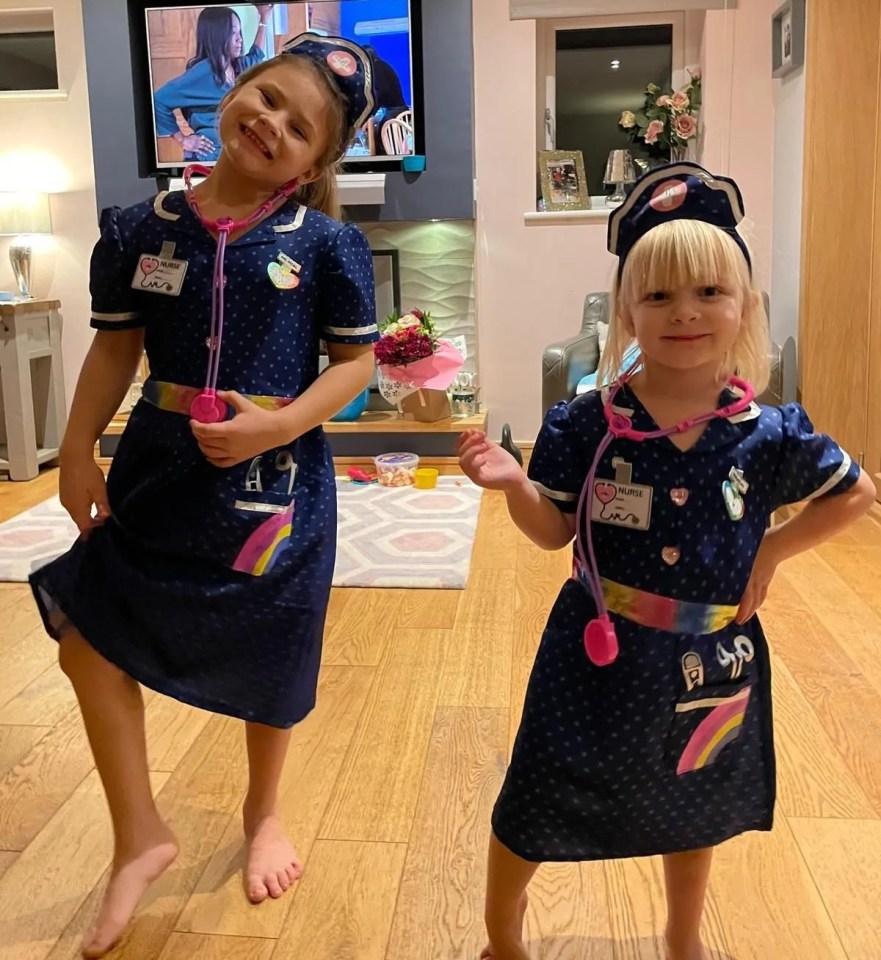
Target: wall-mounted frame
788,38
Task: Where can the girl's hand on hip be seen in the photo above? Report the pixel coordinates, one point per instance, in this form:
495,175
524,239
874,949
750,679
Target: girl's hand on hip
251,431
764,568
81,487
486,463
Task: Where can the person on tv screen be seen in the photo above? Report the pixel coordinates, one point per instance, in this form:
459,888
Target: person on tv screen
209,76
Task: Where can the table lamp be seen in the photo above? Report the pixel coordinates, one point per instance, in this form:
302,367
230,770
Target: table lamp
620,171
22,216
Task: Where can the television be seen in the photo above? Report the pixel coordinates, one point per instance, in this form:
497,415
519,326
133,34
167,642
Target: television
186,57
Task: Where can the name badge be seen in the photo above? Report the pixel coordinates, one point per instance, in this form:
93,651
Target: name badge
160,273
621,502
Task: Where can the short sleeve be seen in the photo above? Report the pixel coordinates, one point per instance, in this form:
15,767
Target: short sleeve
110,278
348,302
557,465
811,464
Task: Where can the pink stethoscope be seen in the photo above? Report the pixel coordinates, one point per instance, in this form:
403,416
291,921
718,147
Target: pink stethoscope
206,407
600,639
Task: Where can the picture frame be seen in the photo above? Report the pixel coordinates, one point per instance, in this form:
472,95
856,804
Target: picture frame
788,38
563,181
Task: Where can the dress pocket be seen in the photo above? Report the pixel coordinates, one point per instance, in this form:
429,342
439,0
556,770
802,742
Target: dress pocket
265,515
705,722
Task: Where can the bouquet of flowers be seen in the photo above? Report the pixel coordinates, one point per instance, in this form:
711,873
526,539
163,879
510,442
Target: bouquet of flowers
667,121
411,356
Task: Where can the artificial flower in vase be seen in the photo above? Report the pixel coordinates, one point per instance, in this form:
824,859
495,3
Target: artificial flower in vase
416,367
668,122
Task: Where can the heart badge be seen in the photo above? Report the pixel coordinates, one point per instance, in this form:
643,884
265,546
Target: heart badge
679,496
605,492
671,555
148,265
281,277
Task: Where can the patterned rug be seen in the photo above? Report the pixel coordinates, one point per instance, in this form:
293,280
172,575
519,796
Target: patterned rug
388,537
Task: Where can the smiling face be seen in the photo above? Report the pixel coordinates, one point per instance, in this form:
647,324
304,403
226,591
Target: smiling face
684,296
275,125
688,326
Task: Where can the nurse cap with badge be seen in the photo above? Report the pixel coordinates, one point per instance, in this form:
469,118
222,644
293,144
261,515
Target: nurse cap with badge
678,191
350,68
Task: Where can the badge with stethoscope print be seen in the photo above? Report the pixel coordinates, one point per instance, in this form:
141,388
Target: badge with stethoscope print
734,489
621,502
160,272
283,272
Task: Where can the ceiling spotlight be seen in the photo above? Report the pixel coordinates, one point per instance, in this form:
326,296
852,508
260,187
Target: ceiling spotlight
616,64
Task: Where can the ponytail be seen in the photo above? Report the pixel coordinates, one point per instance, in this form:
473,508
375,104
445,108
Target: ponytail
322,194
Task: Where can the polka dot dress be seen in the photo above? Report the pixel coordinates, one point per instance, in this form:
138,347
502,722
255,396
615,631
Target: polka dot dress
211,585
670,748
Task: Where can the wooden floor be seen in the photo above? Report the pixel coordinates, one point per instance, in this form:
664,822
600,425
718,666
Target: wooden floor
390,784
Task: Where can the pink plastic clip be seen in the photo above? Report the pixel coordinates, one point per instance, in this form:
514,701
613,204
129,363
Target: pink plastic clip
621,426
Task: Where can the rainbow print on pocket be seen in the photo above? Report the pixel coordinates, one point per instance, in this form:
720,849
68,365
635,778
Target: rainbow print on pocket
266,543
715,732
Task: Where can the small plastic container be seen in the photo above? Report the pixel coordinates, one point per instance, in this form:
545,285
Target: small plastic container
413,163
426,478
396,469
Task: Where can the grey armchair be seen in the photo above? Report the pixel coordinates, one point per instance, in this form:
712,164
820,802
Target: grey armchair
566,362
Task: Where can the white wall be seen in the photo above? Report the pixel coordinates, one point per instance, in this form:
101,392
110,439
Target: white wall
46,145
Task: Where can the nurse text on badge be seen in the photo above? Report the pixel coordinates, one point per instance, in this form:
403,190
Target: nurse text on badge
621,502
160,273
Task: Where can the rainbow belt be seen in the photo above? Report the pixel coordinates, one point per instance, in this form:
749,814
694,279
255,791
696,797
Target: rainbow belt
176,398
664,613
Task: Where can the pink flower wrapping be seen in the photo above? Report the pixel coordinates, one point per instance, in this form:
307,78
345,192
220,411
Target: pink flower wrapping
435,372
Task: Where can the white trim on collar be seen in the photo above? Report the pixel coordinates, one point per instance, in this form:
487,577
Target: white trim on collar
294,224
159,207
752,412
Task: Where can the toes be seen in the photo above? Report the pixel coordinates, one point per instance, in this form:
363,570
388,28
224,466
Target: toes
284,881
257,889
293,873
275,888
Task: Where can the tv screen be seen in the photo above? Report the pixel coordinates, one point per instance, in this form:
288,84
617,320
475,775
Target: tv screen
195,53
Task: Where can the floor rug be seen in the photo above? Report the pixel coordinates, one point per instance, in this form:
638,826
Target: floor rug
388,536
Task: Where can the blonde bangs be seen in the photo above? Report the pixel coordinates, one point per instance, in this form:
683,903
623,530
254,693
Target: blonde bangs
682,253
689,253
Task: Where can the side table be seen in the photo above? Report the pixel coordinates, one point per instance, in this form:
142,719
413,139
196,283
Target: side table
33,411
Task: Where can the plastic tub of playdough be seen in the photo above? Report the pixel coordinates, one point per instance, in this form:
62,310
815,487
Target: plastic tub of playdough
396,469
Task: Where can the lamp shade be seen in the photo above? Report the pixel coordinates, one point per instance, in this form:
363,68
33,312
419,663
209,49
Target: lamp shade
620,167
24,213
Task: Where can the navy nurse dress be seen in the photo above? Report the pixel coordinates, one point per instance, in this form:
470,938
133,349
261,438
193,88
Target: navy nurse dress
670,748
211,585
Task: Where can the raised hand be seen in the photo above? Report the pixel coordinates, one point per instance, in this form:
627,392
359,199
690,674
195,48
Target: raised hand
486,463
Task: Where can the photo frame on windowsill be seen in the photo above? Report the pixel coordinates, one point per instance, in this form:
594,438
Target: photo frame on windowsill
563,181
788,38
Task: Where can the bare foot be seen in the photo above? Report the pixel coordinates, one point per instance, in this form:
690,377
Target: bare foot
132,873
487,952
273,864
693,951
